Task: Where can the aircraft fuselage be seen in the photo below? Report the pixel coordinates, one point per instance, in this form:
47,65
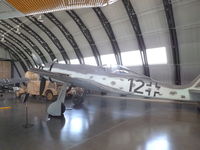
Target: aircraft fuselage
123,83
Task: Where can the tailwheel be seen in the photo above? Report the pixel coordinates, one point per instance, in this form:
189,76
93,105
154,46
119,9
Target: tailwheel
63,108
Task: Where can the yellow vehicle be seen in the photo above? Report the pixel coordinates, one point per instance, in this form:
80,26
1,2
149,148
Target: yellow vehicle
33,87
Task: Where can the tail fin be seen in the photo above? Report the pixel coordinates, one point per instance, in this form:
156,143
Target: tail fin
196,82
194,88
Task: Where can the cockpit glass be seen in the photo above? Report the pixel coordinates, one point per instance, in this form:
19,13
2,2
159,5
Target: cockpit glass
122,70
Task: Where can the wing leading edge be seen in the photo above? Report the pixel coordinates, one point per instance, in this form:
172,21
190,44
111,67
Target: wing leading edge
78,82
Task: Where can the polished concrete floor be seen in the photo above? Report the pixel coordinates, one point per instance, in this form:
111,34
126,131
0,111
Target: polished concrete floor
100,124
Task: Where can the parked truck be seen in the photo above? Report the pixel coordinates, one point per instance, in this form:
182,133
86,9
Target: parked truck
51,90
33,87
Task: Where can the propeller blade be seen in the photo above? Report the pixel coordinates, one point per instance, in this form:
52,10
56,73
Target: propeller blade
50,80
69,89
42,85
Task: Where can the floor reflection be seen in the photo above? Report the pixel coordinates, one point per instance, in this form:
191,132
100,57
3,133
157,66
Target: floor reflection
160,142
55,125
101,124
76,124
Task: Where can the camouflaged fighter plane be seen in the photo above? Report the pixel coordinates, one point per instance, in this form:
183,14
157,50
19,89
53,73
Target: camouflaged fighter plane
121,80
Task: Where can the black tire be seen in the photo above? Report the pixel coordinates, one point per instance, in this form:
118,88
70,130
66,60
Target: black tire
34,96
63,108
103,93
77,100
49,95
68,96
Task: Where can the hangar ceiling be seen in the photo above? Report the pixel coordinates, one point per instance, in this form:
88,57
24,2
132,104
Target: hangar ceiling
127,25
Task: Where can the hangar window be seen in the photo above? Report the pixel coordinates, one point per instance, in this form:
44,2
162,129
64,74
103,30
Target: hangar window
74,61
131,58
62,62
157,56
108,59
90,61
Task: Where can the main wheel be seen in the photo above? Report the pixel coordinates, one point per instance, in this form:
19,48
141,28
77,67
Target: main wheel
77,100
63,108
49,95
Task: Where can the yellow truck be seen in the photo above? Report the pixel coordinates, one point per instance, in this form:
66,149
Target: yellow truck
33,87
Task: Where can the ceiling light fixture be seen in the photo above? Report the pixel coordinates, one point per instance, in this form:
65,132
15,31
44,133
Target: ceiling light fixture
40,19
17,29
3,39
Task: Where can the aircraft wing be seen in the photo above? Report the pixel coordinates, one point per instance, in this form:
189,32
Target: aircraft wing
78,82
7,82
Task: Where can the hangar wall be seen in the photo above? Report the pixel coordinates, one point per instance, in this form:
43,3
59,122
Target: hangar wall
188,32
5,55
163,73
20,72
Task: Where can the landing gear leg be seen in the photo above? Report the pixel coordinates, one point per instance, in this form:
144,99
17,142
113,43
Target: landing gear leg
57,108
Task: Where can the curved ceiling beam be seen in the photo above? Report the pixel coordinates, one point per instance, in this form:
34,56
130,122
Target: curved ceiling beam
18,59
107,27
19,43
67,35
87,35
136,27
25,38
173,38
16,55
36,36
9,43
19,52
53,38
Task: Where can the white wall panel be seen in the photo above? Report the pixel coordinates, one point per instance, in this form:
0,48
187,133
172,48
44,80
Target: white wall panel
187,18
97,31
122,28
44,36
3,53
76,33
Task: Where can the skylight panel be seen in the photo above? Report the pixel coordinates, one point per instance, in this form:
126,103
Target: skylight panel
74,61
157,56
90,61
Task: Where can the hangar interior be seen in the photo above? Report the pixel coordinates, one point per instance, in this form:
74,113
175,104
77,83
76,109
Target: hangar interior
112,30
156,38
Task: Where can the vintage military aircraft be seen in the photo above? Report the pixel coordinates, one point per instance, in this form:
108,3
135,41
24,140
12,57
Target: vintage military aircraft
121,81
8,84
19,8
